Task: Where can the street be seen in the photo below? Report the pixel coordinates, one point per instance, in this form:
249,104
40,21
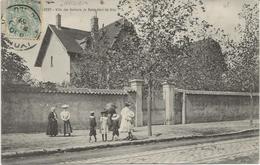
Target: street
209,150
199,153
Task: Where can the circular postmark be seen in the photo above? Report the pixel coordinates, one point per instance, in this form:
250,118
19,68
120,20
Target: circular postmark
23,26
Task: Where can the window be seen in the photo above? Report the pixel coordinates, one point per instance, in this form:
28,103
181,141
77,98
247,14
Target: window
51,61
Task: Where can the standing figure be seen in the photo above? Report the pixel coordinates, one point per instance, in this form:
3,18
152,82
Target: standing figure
104,125
65,116
111,109
52,128
115,125
127,122
92,125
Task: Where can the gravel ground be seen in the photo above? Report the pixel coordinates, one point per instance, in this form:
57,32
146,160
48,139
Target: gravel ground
16,142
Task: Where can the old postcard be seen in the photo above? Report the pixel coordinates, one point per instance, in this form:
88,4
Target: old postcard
129,81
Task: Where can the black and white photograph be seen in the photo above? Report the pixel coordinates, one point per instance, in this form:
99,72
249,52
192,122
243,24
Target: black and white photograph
129,82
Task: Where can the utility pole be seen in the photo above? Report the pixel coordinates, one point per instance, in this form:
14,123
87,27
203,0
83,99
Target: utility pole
150,83
149,103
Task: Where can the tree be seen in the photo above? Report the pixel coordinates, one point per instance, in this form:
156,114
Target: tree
243,74
163,27
13,68
93,68
201,67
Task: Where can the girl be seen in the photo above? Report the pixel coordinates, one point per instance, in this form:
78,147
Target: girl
104,125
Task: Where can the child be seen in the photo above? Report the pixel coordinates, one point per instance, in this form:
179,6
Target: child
115,126
104,125
92,124
130,126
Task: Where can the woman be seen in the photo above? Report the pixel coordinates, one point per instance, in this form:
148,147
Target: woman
52,128
111,110
65,116
92,125
127,121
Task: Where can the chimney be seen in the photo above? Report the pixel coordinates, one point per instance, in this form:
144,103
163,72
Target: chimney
94,27
58,21
94,23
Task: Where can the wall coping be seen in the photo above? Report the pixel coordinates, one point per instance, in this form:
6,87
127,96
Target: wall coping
227,93
167,83
137,81
71,91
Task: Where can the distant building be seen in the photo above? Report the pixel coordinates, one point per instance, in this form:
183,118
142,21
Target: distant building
61,46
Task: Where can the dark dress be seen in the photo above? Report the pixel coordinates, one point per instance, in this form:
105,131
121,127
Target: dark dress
67,127
110,125
52,128
92,124
115,127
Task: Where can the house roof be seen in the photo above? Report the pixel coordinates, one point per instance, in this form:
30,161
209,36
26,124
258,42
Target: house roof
72,38
110,33
69,37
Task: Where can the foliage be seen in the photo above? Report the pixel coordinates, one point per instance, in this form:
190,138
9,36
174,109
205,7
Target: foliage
202,67
161,48
243,56
167,49
13,68
91,69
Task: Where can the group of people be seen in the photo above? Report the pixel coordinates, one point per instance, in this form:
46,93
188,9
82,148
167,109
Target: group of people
109,121
52,128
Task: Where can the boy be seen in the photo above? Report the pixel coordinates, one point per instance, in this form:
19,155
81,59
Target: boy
92,124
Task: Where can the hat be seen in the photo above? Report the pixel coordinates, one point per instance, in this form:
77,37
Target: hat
53,108
64,106
127,104
105,111
92,112
115,117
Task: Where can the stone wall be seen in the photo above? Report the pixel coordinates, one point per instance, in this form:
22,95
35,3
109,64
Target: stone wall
210,106
158,108
28,111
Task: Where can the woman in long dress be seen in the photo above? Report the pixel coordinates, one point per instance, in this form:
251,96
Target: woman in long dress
52,128
92,125
111,110
127,121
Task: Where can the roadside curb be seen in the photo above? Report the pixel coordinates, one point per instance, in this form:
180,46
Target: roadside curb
116,144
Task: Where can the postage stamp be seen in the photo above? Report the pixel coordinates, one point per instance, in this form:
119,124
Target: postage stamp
23,23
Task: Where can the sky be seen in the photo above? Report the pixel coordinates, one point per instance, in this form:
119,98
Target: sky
220,13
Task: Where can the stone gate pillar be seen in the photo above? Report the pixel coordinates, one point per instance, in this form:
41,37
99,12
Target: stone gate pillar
137,85
168,95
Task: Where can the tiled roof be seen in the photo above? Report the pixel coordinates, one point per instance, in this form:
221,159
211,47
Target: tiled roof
71,38
71,90
225,93
68,37
110,32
